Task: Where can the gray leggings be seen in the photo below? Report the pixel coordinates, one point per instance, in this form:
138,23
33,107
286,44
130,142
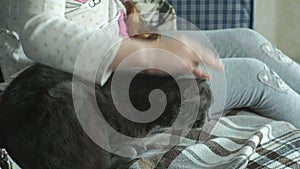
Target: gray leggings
258,75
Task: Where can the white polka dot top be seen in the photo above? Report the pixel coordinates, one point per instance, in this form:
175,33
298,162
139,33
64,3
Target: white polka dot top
64,34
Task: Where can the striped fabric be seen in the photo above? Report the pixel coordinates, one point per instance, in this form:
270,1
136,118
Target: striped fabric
6,162
215,14
242,141
157,14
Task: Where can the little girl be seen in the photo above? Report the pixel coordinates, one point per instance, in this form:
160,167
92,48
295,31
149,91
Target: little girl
53,32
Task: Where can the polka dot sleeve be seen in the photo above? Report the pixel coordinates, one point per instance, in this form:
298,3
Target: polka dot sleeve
49,38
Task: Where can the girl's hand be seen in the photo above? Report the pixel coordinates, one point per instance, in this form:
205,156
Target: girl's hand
160,54
191,53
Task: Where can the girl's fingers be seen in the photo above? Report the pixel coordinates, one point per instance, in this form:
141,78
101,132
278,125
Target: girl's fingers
201,74
210,59
203,54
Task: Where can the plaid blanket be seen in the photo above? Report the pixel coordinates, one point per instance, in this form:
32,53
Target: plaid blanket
244,140
215,14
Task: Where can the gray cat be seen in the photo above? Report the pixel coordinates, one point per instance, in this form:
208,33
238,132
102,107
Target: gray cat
40,130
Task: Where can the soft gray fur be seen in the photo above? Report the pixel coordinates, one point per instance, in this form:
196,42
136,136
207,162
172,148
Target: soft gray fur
40,129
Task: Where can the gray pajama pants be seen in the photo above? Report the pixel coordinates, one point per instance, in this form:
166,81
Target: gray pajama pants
258,75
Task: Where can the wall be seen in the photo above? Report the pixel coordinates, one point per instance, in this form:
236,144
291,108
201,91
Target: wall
279,21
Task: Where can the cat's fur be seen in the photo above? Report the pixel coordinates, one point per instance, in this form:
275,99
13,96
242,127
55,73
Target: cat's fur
40,130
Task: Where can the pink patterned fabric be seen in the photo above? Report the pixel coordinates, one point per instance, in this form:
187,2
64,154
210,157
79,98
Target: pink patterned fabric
122,25
82,1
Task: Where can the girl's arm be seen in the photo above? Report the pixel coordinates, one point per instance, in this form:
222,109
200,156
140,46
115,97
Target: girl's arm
49,38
